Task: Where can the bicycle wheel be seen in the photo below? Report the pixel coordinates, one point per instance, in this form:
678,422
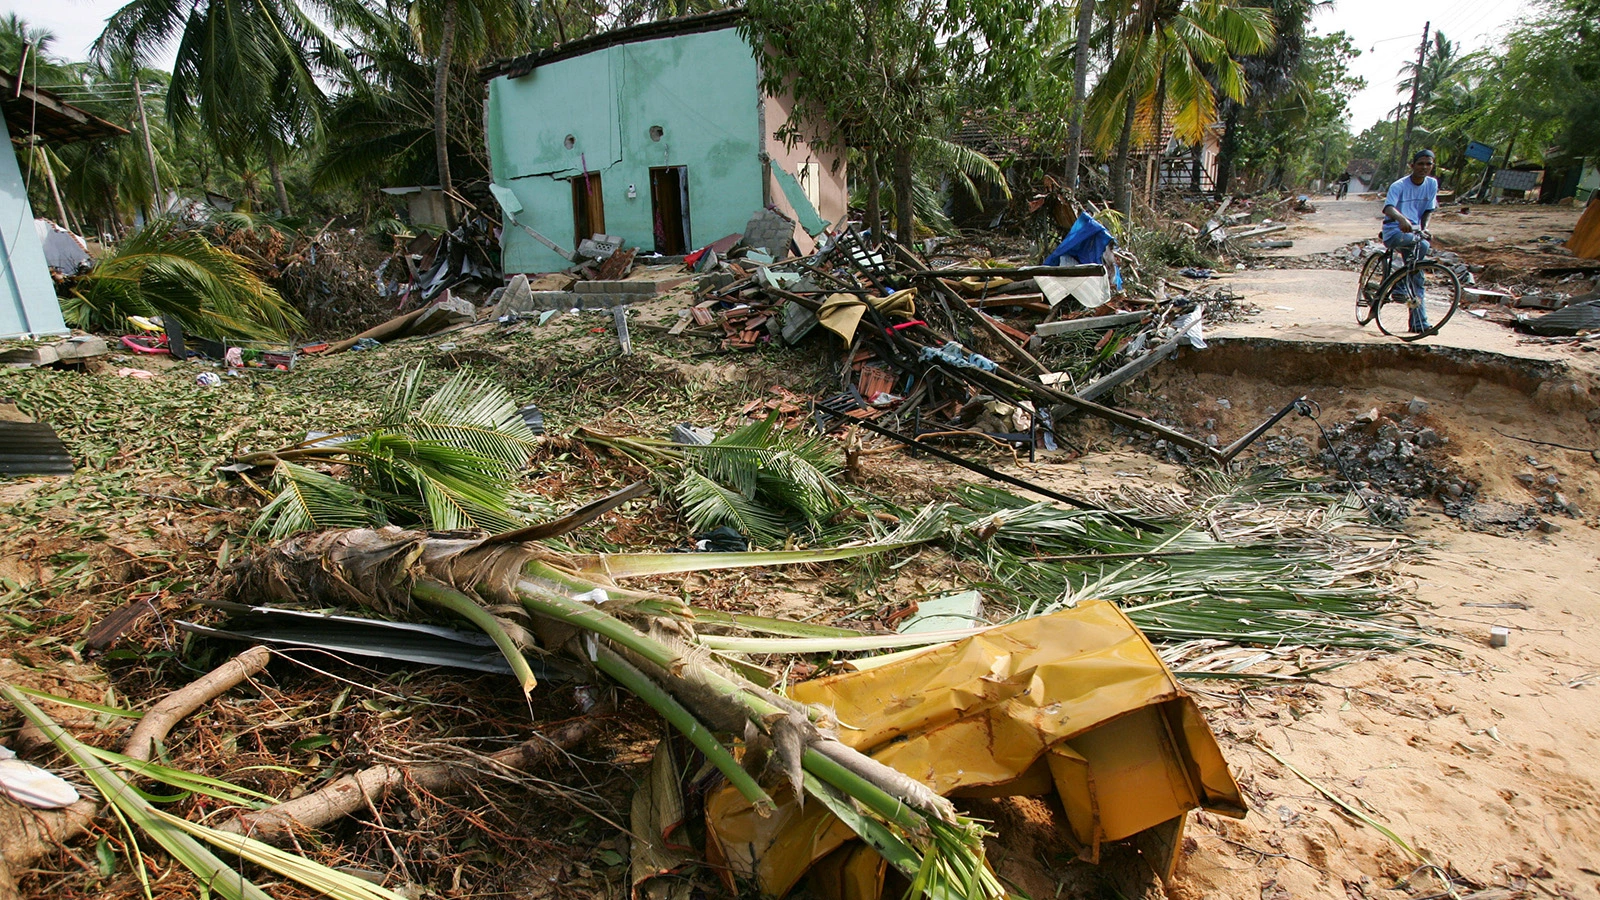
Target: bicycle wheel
1367,285
1441,288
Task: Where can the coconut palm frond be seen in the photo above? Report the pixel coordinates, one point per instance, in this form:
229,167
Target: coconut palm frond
166,271
309,500
760,465
446,462
470,412
404,398
1225,568
708,504
969,167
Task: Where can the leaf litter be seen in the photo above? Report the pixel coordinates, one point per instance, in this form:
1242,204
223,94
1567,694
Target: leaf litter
1226,588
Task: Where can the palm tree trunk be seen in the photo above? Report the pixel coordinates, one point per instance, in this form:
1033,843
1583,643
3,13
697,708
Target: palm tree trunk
1080,85
1119,172
874,198
1230,145
276,171
903,216
441,84
1159,155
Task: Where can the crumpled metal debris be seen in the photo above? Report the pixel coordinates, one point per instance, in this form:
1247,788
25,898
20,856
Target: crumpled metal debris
1076,704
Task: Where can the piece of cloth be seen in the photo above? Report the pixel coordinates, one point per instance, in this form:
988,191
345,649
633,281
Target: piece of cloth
1093,291
1086,243
1411,246
841,313
1412,200
1585,240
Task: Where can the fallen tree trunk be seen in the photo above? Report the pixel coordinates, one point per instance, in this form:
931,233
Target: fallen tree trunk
28,834
354,792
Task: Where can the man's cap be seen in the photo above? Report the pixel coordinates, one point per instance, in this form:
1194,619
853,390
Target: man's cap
1421,155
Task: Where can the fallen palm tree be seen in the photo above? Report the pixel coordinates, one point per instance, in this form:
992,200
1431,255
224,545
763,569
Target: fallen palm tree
645,643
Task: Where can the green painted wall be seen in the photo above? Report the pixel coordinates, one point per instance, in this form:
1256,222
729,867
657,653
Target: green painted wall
699,88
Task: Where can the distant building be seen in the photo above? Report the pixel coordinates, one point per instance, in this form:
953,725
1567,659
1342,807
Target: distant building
28,305
658,134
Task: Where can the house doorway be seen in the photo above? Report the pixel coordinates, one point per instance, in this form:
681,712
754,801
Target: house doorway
669,205
588,207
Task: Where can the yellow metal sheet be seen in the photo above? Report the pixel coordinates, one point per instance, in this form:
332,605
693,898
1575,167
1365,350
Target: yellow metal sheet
1080,691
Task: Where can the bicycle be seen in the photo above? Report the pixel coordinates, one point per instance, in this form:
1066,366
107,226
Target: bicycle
1383,292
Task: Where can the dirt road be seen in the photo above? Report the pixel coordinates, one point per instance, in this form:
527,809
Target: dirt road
1318,304
1480,759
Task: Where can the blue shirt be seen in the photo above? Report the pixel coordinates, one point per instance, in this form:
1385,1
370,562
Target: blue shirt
1412,200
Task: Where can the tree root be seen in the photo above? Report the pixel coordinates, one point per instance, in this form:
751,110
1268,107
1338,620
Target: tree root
160,720
28,834
356,791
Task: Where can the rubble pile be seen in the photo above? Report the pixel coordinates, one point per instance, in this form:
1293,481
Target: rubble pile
1393,460
975,353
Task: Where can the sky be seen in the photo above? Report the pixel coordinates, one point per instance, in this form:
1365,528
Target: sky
1386,31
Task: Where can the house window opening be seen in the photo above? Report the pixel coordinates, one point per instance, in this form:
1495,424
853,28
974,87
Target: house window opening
669,206
810,178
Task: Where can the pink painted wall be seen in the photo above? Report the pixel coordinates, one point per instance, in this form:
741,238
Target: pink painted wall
835,195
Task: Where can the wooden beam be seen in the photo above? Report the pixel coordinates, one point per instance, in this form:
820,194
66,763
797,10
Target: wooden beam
1024,272
1136,368
1093,323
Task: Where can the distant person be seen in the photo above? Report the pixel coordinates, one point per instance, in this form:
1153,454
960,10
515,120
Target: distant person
1341,186
1406,209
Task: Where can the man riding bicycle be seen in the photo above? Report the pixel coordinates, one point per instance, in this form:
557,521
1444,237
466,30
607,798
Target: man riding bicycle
1406,209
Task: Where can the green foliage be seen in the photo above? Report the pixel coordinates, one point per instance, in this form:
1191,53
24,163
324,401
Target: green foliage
758,477
447,462
168,271
1301,133
1165,247
883,76
1177,59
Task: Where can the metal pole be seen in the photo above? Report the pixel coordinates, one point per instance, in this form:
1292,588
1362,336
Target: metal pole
149,148
1416,87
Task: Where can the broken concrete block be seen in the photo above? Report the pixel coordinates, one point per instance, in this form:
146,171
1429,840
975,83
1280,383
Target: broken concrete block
1417,406
770,231
450,311
77,347
797,322
516,298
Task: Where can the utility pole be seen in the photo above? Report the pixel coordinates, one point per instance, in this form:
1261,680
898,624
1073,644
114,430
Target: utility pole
1416,86
149,148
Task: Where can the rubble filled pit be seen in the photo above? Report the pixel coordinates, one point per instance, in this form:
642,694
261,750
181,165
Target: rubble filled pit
1477,415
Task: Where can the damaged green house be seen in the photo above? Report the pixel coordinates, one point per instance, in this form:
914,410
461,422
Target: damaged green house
658,134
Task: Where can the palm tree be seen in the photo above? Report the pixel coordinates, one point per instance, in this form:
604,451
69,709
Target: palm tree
1080,83
246,70
461,31
1271,74
1178,55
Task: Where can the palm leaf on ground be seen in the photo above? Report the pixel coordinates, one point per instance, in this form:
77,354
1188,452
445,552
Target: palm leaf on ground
445,462
167,271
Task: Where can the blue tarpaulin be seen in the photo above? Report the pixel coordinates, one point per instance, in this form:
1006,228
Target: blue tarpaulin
1085,244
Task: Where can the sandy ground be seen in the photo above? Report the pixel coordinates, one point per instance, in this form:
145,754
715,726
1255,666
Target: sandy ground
1480,759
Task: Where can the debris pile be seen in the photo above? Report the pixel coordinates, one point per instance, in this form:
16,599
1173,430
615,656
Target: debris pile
975,354
1389,459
